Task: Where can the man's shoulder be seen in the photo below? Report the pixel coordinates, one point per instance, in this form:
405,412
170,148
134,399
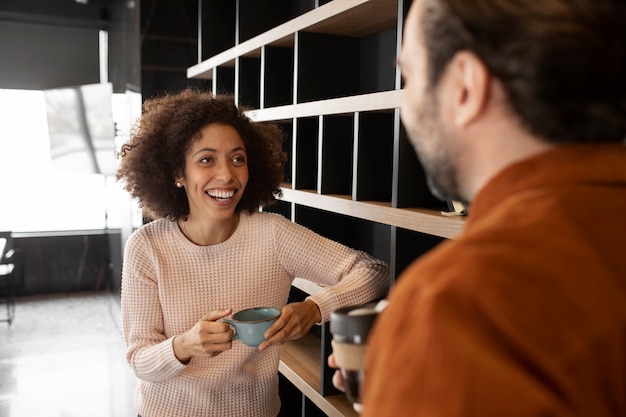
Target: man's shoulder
464,267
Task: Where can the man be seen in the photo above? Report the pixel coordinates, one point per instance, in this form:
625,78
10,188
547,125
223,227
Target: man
519,109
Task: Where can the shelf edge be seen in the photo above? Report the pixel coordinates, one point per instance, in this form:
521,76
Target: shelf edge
419,220
204,69
307,286
384,100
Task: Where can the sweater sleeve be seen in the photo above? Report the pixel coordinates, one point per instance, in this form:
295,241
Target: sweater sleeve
150,352
348,276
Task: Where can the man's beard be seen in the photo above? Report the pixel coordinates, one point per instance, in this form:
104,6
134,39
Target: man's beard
437,152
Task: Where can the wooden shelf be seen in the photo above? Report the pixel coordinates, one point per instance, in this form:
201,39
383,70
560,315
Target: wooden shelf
419,220
381,101
300,364
306,286
339,17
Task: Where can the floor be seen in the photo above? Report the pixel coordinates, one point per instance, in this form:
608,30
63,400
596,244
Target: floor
63,356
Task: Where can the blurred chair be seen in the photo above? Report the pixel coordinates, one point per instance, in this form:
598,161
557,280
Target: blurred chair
10,270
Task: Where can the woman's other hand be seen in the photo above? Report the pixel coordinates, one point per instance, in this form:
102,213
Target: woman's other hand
208,337
295,321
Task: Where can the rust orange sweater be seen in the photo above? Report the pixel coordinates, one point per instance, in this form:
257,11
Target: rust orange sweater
525,313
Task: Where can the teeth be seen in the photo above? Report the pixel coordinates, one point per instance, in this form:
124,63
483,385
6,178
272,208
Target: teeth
222,195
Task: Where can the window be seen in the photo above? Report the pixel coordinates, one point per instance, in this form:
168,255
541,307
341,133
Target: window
36,196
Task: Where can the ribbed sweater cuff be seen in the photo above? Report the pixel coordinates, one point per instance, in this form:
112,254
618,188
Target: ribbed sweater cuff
326,302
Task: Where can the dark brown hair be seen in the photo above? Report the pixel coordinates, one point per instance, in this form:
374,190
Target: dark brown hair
155,154
562,63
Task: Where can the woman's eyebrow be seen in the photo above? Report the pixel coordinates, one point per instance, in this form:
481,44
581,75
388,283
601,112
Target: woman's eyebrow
237,149
204,150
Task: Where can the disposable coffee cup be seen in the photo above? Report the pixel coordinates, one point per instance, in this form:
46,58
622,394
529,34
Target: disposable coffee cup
350,328
251,324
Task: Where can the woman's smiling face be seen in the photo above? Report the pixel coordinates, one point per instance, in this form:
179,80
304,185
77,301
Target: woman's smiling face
216,172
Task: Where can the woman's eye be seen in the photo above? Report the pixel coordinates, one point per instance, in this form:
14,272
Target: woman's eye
207,160
239,160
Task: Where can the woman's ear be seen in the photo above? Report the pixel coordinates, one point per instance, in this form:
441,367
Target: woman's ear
179,180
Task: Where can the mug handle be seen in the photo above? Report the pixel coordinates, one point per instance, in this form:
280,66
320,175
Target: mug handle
230,322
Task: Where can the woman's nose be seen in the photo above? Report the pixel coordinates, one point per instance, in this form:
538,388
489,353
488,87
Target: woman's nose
224,172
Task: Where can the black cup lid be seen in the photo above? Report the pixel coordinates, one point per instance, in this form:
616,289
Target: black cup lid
353,322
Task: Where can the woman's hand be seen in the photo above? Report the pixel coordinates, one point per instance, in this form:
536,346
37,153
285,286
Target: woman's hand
208,337
295,321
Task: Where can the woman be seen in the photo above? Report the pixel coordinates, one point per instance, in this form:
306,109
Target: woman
202,169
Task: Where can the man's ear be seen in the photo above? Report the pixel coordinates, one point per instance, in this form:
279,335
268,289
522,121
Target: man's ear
471,87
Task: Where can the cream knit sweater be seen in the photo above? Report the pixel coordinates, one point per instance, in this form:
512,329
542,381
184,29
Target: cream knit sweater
169,283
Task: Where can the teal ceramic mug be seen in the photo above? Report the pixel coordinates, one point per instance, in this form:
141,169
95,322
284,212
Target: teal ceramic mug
251,324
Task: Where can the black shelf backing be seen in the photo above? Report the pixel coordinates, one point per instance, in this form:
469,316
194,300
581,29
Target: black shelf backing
337,154
306,151
278,80
374,157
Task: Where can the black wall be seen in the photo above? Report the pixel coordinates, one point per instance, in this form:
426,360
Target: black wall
62,264
169,45
48,44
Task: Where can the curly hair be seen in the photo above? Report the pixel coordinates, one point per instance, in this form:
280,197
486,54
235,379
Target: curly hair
155,153
561,63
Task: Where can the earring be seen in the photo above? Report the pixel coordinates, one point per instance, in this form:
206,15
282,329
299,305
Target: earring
178,185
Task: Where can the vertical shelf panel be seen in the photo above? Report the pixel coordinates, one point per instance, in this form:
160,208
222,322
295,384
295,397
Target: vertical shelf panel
374,157
327,66
337,151
306,146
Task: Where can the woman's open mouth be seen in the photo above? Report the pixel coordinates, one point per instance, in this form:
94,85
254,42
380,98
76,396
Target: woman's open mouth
221,195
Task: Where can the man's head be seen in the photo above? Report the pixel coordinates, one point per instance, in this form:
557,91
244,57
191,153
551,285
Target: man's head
556,68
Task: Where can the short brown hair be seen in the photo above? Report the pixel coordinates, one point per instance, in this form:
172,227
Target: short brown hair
562,63
155,154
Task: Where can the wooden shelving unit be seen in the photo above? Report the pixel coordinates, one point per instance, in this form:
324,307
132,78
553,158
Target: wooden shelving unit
325,72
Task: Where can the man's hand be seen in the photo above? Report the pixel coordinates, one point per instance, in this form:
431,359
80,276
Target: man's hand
338,381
